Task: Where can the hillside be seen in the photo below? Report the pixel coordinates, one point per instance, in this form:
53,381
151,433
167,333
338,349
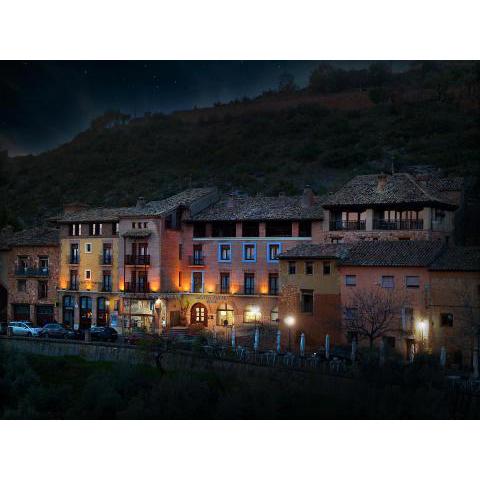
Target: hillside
279,141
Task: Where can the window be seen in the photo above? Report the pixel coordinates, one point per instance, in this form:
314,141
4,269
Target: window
273,250
116,228
249,283
225,282
133,224
407,320
412,281
273,283
446,319
145,224
180,279
88,248
326,268
88,274
139,225
42,289
274,314
22,262
75,229
308,268
225,315
292,268
21,286
252,314
388,281
73,280
336,240
249,252
198,258
43,263
107,281
197,282
96,229
180,251
307,301
305,228
224,252
350,280
107,254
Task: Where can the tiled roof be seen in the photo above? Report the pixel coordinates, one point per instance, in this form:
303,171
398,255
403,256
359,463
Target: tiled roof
453,258
315,250
261,208
37,236
400,253
400,188
153,208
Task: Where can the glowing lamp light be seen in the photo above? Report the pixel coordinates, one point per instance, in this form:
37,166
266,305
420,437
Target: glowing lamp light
158,302
255,310
289,321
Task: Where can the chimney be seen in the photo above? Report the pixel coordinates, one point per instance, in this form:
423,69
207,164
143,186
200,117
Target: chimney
74,207
307,196
382,181
141,202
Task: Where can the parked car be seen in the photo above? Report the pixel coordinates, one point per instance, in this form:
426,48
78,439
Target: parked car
24,329
137,335
104,334
75,334
53,330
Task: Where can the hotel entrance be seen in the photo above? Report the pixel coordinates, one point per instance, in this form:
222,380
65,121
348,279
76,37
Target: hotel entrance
139,314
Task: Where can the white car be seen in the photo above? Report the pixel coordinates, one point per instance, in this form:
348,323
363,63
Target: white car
24,329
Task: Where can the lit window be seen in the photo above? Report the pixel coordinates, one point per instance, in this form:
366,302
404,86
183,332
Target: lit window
273,250
274,314
249,252
252,314
225,315
224,252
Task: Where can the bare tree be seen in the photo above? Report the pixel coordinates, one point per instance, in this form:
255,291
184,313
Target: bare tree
373,313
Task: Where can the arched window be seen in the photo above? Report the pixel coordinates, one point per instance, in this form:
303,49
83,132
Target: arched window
199,314
68,311
274,314
225,315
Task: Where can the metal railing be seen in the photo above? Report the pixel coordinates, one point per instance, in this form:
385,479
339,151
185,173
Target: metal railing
197,260
337,225
74,259
137,259
379,224
136,287
224,289
32,271
73,285
105,259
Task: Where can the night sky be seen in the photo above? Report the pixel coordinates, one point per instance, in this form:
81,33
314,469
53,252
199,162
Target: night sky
43,104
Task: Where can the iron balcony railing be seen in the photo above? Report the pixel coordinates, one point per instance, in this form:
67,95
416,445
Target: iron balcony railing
197,260
137,259
225,289
347,225
105,259
380,224
74,259
137,287
73,285
248,290
273,291
32,271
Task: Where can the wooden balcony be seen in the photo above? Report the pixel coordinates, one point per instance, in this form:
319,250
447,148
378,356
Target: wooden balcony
379,224
342,225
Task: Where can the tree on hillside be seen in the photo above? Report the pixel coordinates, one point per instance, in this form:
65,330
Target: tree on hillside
373,313
286,83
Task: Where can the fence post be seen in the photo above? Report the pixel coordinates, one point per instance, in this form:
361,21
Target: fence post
327,346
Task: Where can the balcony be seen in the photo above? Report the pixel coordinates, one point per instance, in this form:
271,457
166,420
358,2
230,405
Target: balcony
137,259
73,285
105,287
105,259
31,271
223,289
196,260
379,224
341,225
74,259
248,290
137,287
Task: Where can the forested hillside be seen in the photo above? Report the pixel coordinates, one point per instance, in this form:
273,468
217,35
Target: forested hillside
342,124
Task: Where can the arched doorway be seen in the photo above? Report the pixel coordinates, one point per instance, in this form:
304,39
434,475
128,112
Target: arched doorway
85,313
198,314
102,312
68,311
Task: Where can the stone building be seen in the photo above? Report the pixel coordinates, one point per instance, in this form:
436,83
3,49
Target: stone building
33,275
395,207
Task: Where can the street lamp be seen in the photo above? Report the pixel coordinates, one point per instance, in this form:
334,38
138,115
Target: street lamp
422,327
289,322
256,311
